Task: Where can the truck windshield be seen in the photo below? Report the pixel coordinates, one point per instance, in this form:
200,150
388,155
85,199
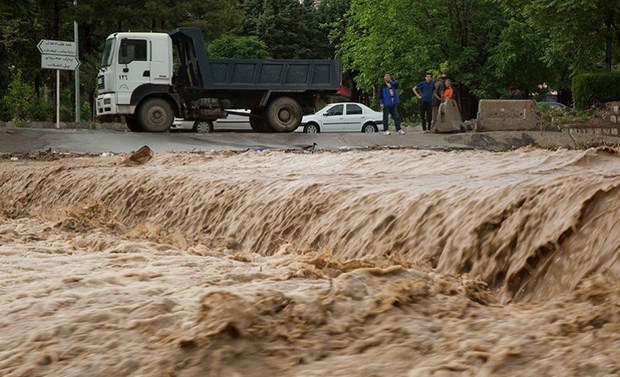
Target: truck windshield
106,59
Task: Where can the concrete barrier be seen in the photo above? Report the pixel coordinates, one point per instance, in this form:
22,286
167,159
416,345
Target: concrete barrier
449,118
506,115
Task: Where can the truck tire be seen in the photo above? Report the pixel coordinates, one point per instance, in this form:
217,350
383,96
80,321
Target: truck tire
133,124
284,114
156,115
257,122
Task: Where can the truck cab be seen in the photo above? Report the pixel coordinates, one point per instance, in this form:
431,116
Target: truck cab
133,66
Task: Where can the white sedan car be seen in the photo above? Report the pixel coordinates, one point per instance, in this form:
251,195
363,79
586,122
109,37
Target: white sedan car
236,120
342,117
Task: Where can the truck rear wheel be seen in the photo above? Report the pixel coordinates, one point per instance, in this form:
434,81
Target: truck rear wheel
133,124
156,115
284,114
257,122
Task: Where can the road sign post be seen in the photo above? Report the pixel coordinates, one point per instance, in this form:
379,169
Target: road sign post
58,55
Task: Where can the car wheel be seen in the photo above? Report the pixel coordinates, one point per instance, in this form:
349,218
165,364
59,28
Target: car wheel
312,128
370,128
203,126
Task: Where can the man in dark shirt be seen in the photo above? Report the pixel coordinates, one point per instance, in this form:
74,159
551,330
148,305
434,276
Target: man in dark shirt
424,91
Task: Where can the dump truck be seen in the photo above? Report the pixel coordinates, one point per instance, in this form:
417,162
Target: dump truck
151,78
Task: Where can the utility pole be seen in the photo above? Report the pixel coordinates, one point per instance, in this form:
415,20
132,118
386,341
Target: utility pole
77,71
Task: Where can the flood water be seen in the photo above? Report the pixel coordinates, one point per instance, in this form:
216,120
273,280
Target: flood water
360,263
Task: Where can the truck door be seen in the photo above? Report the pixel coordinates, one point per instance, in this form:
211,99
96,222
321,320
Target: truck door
134,67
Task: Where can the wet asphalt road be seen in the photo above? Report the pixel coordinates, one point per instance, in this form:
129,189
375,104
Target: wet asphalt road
23,140
28,140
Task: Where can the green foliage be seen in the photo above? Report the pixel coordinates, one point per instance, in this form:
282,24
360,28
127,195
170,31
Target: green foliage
517,58
40,110
85,112
19,98
592,88
213,17
5,112
230,46
21,102
409,39
576,31
289,28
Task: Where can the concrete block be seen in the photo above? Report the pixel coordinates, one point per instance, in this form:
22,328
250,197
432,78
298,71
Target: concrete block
507,115
613,118
616,110
449,118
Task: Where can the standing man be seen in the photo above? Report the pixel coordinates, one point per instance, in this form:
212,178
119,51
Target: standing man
424,91
440,86
388,99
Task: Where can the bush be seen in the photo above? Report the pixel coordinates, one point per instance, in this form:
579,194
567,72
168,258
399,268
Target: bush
591,88
20,103
40,110
18,98
553,119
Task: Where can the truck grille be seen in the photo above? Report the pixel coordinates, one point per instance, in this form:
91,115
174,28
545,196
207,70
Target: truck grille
100,82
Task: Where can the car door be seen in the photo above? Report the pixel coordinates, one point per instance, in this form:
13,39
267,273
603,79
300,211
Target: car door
333,119
354,118
136,67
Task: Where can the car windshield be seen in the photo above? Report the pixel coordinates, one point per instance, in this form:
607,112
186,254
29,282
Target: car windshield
106,59
324,109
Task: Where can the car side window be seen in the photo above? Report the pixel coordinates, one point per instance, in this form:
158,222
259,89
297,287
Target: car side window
354,110
336,110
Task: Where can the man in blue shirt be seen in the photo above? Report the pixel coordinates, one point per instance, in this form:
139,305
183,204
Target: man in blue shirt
424,91
388,99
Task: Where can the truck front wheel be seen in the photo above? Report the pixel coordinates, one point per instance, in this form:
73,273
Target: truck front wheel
133,124
156,115
284,114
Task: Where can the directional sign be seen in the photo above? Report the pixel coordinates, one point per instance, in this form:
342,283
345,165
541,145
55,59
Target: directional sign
64,48
68,63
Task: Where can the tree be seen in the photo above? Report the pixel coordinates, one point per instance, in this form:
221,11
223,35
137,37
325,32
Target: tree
230,46
517,58
456,37
579,32
289,28
24,23
22,102
213,17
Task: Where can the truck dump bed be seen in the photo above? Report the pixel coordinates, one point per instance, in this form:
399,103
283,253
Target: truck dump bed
198,71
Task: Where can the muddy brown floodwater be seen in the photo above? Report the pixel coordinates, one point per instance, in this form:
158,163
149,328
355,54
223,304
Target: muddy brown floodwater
362,263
